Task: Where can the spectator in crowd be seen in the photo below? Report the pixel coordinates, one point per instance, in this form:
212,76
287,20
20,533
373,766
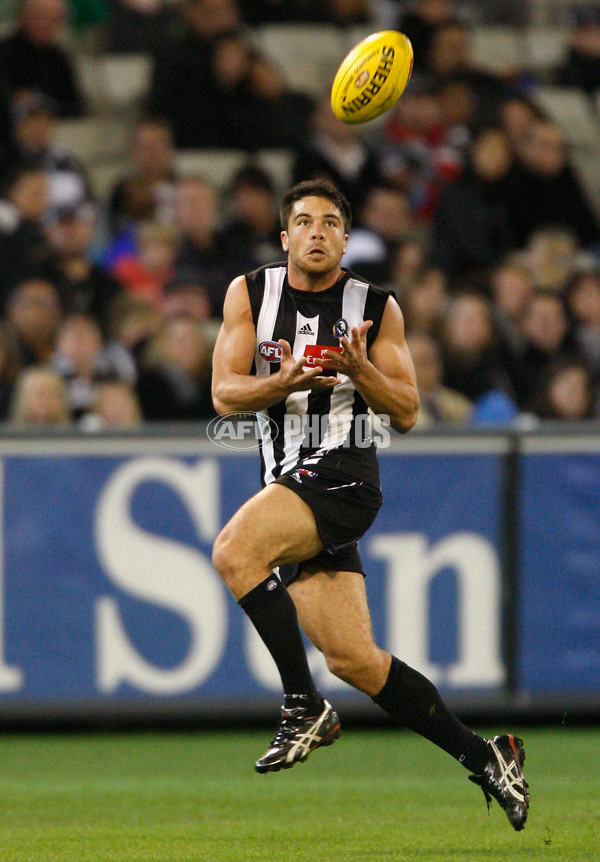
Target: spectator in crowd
336,152
419,20
512,288
184,296
84,286
210,19
218,91
384,222
137,26
582,66
309,11
414,149
583,302
254,217
33,310
424,302
437,402
264,112
347,12
517,115
175,373
449,57
5,125
33,59
544,189
132,324
24,249
33,145
205,249
247,104
83,361
471,229
547,337
138,206
550,253
146,272
115,407
183,88
10,366
411,260
151,156
504,12
469,349
457,104
40,399
565,391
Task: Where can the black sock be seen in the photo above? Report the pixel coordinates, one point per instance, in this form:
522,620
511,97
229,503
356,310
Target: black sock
414,701
273,614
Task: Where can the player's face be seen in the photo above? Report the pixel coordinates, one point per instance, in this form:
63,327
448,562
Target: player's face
315,239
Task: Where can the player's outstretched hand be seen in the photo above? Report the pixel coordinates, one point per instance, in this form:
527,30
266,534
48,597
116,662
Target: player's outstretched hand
353,359
295,377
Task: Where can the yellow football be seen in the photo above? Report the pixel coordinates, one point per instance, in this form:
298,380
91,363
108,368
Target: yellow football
372,77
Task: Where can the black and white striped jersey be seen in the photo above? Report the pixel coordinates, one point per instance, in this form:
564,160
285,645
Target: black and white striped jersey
332,428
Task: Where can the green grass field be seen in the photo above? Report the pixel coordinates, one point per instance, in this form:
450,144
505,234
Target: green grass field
374,795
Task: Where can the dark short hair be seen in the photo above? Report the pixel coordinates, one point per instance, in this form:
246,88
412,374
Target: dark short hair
318,189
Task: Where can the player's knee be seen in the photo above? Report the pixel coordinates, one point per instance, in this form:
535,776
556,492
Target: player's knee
347,666
358,669
224,557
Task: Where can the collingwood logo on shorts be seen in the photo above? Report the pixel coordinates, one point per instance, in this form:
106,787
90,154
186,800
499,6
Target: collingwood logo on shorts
301,473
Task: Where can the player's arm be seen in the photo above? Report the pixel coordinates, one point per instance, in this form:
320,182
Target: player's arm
234,389
385,377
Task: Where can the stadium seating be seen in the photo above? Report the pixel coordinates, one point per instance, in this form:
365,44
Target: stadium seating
307,55
126,79
220,165
497,49
217,165
572,110
279,165
545,48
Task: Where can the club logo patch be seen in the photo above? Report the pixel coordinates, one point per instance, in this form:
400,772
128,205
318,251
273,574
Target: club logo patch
302,473
341,328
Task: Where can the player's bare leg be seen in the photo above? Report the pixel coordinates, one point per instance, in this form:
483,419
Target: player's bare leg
332,609
273,528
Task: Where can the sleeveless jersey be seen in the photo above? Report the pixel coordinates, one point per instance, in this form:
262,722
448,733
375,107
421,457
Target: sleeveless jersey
328,430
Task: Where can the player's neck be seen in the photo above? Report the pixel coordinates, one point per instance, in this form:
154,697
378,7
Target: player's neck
313,282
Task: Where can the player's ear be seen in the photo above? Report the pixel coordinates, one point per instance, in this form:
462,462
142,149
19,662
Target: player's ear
345,243
284,240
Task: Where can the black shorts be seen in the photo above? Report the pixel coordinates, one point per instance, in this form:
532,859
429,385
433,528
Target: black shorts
343,510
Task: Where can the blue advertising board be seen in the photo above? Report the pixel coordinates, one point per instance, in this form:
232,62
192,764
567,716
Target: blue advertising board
559,583
108,595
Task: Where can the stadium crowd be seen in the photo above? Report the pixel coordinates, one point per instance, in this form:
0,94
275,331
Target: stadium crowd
465,198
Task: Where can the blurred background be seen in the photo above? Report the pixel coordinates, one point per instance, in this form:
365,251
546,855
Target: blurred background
144,146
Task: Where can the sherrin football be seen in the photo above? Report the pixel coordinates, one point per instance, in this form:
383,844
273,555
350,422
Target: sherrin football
372,77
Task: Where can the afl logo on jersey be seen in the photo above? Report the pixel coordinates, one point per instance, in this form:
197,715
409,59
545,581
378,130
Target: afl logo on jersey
270,350
341,328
